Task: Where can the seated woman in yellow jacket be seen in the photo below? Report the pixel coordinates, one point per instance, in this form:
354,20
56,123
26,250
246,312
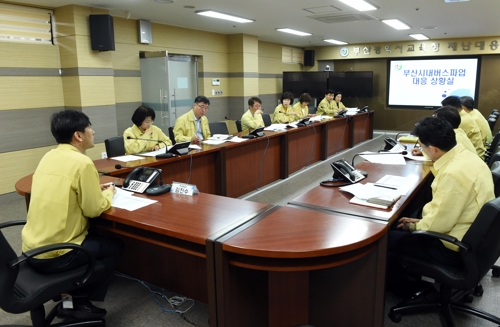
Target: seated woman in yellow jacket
284,113
143,136
301,107
337,101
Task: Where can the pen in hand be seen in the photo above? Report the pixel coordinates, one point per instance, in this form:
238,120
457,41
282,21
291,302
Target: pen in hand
114,183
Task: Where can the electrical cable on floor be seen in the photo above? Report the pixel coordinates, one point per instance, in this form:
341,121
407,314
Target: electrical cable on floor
174,301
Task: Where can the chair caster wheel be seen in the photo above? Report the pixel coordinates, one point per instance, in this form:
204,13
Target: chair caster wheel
478,290
468,298
395,317
495,271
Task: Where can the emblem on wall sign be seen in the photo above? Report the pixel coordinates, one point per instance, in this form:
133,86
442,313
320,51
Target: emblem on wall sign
344,51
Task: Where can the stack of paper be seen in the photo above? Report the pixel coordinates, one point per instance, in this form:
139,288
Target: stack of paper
126,200
382,194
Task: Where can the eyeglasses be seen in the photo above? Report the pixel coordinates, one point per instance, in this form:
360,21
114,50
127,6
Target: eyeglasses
205,107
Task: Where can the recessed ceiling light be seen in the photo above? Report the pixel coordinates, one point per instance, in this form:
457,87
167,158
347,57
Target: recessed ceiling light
396,23
335,41
289,30
164,1
419,36
360,5
215,14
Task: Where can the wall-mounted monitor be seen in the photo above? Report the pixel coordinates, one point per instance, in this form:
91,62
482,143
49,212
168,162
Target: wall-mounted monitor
314,83
352,84
422,83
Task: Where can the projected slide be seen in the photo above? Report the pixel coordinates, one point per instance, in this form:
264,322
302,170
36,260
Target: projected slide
427,82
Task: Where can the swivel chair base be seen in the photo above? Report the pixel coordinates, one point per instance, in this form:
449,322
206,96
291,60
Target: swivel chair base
442,301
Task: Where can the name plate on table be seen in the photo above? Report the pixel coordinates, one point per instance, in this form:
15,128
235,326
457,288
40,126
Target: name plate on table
185,189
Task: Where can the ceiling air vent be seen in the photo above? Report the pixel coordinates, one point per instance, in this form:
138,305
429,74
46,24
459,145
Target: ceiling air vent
342,18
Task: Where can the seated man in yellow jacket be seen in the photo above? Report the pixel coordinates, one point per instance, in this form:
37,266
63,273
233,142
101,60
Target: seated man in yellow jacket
253,117
193,125
462,185
468,124
328,106
482,123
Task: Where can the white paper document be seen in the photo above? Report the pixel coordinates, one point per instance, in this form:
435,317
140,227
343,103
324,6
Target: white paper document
276,127
127,158
238,139
157,152
320,118
399,182
351,111
386,158
194,146
214,142
126,200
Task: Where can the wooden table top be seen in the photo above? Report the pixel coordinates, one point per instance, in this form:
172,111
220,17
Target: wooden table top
191,218
332,199
298,233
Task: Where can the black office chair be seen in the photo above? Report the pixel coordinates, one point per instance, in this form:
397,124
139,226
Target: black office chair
171,135
218,127
479,250
23,289
494,156
238,125
267,119
495,172
115,146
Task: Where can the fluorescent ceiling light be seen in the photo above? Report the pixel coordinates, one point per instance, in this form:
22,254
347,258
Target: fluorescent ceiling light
396,23
360,5
419,36
335,41
214,14
289,30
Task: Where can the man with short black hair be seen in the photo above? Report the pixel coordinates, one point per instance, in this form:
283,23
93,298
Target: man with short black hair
65,193
193,125
482,123
253,117
462,185
328,106
468,124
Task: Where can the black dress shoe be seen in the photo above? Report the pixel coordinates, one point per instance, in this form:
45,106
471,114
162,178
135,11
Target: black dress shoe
82,310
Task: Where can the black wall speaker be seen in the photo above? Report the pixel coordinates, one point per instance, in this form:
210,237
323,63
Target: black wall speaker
102,34
308,57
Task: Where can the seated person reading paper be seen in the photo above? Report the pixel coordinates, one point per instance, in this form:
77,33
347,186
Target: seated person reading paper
193,125
143,136
301,107
65,193
462,185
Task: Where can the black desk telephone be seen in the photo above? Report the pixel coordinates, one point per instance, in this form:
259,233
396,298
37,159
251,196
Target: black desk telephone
342,170
146,179
140,179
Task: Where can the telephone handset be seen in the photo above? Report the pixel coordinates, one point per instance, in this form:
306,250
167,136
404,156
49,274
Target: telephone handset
364,109
140,179
342,170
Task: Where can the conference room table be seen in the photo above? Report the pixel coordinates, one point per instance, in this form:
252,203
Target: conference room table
234,169
260,265
331,199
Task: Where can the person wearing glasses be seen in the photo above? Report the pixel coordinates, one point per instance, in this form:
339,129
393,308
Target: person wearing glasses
193,125
143,136
253,117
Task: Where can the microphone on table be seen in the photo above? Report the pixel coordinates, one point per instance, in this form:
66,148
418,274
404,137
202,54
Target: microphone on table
158,156
372,154
118,166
